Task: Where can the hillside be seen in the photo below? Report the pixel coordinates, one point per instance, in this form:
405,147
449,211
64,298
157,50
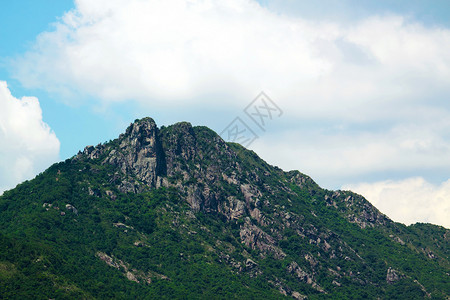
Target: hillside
177,212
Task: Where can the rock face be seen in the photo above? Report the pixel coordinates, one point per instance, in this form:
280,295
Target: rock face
137,154
148,158
195,159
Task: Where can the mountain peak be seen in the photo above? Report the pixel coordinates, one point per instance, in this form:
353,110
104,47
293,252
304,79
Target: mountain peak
141,128
160,206
183,125
137,154
198,161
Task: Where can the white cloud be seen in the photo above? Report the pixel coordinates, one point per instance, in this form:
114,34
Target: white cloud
177,50
28,146
409,201
335,155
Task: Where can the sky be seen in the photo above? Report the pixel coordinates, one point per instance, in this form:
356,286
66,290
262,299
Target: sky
355,93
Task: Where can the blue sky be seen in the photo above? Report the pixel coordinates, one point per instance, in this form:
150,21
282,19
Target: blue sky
20,23
363,86
434,12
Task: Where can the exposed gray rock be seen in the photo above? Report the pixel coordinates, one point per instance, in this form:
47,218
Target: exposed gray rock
139,244
230,179
71,208
303,276
131,277
94,192
233,208
252,268
251,193
237,265
121,225
258,216
282,288
298,296
428,295
294,268
111,195
255,238
195,198
393,275
356,209
336,283
131,274
140,154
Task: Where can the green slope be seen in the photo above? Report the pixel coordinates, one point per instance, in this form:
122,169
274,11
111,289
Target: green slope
214,221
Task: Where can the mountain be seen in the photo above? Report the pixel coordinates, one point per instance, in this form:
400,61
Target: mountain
177,212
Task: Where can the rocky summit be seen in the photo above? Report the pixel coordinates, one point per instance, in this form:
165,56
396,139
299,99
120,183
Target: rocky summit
177,212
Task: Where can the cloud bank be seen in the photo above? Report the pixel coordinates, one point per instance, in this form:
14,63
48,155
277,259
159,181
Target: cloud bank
176,50
409,201
334,155
28,146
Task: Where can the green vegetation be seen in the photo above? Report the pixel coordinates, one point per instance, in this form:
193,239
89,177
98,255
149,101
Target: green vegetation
71,233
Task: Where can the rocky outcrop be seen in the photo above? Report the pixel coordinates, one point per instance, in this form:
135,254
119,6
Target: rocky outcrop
233,208
393,275
111,195
356,209
252,268
72,208
131,274
301,180
255,238
294,269
251,194
298,296
180,145
139,154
